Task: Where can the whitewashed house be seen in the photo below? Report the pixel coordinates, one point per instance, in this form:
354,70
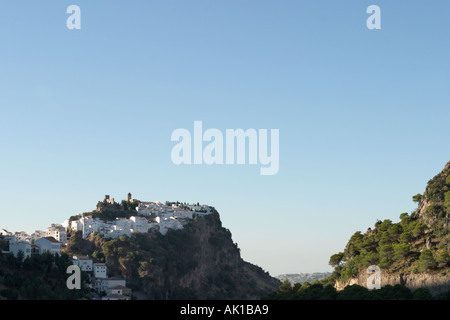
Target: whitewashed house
184,214
139,224
84,262
122,223
100,270
58,232
22,236
112,286
166,224
17,246
115,291
120,290
38,234
4,232
91,225
77,225
48,244
145,210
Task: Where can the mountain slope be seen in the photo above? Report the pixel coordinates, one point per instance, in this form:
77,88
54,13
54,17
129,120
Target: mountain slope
413,252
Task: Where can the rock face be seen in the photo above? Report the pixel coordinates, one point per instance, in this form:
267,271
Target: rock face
434,208
200,261
436,283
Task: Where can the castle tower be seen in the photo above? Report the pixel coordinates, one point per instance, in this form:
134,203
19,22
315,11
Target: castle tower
129,196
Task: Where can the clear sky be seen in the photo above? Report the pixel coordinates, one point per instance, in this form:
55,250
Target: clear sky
363,114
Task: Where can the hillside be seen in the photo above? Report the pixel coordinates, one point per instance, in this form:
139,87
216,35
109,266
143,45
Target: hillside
413,255
200,261
413,252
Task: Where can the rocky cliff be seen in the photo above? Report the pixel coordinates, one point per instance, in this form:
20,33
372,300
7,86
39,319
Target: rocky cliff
436,282
200,261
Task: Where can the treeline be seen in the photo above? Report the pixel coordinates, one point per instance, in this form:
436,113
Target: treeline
39,277
321,291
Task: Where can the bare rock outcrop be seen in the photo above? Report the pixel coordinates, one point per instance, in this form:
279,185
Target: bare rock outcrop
435,282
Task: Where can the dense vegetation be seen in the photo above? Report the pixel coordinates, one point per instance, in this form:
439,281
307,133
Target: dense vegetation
419,242
320,290
39,277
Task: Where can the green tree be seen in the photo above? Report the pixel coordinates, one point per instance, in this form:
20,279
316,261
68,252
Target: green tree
328,293
385,263
422,294
385,225
368,258
419,229
401,250
336,259
285,287
370,244
426,260
386,251
394,232
447,180
354,245
20,256
405,219
99,256
417,198
385,239
447,199
405,237
353,292
443,259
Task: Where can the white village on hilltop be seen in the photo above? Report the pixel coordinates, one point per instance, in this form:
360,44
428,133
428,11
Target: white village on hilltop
150,217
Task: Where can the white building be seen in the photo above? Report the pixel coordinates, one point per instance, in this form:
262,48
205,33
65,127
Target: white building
111,286
65,224
168,223
22,236
122,223
58,232
100,270
139,224
184,214
4,232
17,246
76,225
145,210
90,225
84,262
48,244
38,234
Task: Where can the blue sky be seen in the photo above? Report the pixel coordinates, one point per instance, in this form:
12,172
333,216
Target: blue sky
363,114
